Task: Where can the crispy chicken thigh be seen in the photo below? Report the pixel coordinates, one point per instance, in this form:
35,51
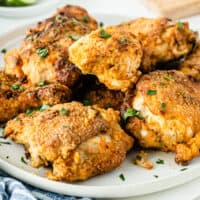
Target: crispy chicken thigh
43,54
166,113
77,141
162,40
16,97
91,91
112,55
191,65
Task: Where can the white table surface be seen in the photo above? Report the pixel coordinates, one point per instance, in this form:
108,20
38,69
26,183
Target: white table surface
135,8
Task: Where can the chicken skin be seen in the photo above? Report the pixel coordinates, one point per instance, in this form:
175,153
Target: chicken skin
165,114
162,40
16,97
43,55
77,141
91,91
191,65
112,55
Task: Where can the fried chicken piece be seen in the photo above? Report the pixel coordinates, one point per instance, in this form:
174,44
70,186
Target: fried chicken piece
43,54
166,113
162,40
191,65
91,91
16,97
77,141
112,55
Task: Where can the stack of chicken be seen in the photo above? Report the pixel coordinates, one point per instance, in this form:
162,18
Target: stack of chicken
66,89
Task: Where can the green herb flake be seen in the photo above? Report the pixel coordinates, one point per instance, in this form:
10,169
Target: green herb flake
44,107
156,176
121,176
29,94
160,161
75,21
41,83
86,103
64,126
131,112
29,112
64,111
42,52
103,34
21,89
183,169
151,92
15,86
58,17
101,24
85,19
3,50
180,25
163,105
162,83
168,78
4,142
74,37
122,40
23,160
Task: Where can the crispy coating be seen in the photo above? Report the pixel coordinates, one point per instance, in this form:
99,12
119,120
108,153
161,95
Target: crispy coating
82,142
162,40
169,116
16,97
95,93
191,65
43,54
112,55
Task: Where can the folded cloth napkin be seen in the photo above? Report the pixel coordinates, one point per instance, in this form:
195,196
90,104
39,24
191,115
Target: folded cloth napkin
12,189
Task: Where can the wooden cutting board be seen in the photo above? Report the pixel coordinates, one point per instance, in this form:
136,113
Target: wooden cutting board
175,9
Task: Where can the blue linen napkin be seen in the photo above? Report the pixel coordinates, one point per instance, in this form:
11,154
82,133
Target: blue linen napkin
12,189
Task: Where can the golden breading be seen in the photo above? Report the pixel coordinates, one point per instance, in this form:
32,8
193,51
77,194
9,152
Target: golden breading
162,40
191,65
77,141
16,97
91,91
166,110
112,55
43,54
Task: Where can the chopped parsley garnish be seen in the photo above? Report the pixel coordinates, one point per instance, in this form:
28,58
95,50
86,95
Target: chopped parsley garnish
163,105
156,176
180,25
168,78
15,86
42,52
23,160
58,17
101,24
44,107
162,83
151,92
160,161
86,103
121,176
64,126
74,37
3,50
29,112
64,111
41,83
131,112
122,40
4,142
75,21
183,169
29,94
86,19
103,34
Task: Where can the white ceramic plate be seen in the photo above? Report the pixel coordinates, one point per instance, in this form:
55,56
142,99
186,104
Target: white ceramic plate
40,7
138,181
